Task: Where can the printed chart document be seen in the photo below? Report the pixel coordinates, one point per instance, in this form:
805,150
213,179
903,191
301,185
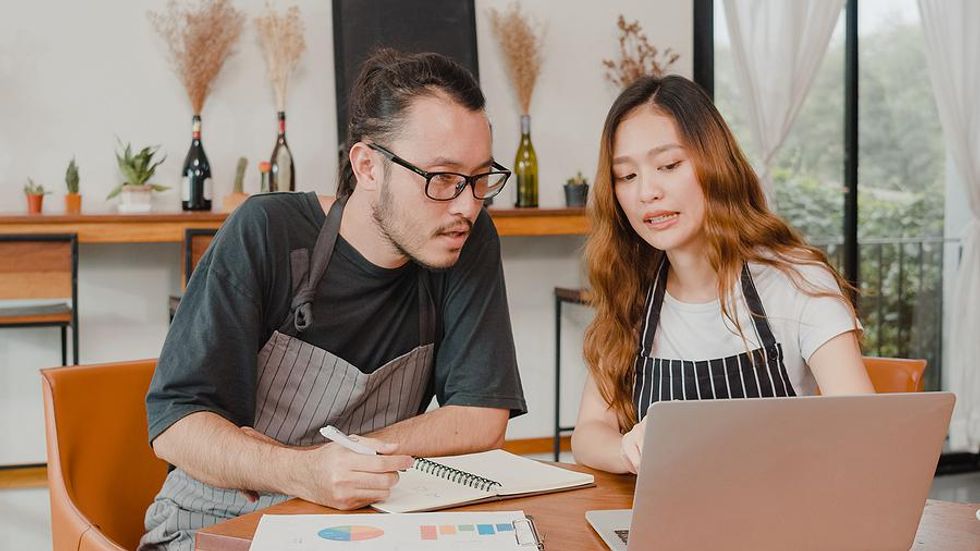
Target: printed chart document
441,482
483,531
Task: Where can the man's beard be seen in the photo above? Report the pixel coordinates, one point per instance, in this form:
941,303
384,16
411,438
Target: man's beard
385,215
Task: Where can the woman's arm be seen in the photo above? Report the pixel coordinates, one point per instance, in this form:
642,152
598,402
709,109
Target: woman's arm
838,367
596,441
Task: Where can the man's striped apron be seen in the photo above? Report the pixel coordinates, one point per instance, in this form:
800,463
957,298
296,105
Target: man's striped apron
301,388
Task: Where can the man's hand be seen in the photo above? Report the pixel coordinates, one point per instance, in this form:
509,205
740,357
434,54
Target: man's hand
334,476
337,477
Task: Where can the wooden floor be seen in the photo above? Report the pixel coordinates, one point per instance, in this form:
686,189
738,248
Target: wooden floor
37,476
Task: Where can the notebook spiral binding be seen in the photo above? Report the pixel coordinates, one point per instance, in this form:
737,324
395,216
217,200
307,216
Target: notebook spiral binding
454,475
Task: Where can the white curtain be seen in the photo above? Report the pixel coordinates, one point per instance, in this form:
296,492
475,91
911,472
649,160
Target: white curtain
953,54
778,46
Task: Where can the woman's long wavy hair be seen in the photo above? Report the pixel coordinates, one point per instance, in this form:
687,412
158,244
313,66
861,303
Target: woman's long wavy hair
738,228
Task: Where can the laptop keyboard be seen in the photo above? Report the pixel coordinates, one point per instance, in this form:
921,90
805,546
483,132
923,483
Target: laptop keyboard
623,535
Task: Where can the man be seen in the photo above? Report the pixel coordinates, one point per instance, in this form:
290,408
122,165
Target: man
307,311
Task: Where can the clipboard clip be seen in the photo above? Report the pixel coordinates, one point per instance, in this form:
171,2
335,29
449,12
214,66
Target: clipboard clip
527,534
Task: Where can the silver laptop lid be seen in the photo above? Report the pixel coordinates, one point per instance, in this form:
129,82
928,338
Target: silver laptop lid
835,472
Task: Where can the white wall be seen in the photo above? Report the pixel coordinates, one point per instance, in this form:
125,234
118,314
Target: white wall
71,83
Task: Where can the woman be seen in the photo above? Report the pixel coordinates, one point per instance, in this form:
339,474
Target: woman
700,290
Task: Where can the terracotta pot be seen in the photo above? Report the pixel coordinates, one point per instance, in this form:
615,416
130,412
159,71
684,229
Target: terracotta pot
73,203
34,204
233,200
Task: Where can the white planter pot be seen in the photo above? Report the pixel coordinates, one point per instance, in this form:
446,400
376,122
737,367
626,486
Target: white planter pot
135,199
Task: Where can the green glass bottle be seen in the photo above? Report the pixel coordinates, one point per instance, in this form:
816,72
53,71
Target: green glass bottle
526,168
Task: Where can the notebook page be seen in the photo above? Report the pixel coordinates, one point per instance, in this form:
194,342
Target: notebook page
516,474
419,491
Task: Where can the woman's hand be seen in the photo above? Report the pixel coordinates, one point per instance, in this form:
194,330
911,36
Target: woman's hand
631,447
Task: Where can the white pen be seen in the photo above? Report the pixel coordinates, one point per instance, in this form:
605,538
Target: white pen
331,433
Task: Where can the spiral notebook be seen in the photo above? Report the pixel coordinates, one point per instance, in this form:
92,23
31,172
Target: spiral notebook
440,482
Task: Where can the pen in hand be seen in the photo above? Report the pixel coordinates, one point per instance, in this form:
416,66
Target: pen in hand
331,433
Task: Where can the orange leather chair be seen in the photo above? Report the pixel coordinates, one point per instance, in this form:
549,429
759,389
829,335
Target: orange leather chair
102,474
895,374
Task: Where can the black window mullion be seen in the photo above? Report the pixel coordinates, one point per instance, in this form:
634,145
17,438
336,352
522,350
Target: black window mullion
850,229
704,45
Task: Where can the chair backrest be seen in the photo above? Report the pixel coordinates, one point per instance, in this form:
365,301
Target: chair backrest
38,266
196,243
895,374
102,473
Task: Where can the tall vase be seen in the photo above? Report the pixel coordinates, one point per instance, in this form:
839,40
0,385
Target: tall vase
526,168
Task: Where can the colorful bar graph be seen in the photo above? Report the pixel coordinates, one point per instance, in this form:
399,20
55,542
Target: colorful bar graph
429,532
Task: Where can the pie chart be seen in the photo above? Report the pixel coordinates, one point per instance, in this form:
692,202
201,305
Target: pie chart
351,533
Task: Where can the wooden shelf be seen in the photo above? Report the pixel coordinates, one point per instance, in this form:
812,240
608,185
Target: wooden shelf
168,227
540,222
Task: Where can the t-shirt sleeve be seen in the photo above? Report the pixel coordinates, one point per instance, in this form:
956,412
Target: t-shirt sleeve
823,317
476,363
208,361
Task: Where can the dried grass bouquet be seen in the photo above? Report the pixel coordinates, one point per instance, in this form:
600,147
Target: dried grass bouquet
637,56
200,36
281,38
520,43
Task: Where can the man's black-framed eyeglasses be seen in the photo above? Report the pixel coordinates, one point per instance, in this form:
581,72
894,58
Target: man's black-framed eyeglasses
446,186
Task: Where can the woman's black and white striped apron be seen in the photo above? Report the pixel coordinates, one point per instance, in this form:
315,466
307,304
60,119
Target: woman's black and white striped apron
301,388
753,374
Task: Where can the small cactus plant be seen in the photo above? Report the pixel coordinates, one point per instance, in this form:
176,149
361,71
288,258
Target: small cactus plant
577,180
240,175
30,188
71,177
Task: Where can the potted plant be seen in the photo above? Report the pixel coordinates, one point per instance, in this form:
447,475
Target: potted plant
35,196
73,200
136,170
576,191
237,195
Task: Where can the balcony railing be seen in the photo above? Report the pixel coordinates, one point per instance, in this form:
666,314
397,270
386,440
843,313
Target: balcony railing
901,302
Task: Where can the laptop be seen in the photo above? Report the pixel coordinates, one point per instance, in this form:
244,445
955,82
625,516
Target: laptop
817,472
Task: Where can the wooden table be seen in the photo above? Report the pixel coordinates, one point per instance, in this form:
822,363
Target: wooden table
560,518
168,227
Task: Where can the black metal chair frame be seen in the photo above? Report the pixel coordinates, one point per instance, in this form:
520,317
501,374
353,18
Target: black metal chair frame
571,296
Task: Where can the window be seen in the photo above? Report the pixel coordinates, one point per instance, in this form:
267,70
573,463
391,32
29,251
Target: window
904,260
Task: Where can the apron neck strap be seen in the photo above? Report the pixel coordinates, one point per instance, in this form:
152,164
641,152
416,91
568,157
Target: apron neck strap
755,307
302,304
655,301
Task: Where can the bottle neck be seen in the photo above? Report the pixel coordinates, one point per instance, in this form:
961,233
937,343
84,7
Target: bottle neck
526,125
196,128
282,123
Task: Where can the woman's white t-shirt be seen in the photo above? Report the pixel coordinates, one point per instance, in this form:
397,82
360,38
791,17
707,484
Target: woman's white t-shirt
800,322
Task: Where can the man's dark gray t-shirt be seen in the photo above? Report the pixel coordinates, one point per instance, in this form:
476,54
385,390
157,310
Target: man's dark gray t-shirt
241,291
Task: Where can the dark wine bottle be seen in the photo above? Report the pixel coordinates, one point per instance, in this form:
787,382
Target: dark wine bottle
526,168
195,193
282,177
